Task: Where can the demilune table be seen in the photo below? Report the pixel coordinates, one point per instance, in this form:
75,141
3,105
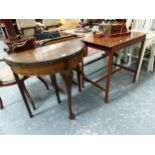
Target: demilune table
60,57
112,46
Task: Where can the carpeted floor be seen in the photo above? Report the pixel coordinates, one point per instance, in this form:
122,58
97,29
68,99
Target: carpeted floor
131,109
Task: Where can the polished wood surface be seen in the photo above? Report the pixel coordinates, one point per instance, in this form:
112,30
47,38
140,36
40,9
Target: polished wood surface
51,53
115,42
50,59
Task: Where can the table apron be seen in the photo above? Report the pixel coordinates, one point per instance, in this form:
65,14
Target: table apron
115,48
127,44
47,68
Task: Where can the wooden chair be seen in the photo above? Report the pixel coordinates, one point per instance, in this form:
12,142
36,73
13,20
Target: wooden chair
7,79
129,53
139,26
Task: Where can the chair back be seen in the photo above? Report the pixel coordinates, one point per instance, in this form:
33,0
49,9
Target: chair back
27,26
141,25
50,22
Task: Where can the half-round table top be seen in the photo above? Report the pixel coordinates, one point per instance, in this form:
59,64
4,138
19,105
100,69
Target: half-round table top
47,54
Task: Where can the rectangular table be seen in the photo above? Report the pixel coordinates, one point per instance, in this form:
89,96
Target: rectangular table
111,46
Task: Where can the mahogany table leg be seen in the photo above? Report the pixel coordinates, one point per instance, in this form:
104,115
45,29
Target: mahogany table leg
109,71
23,95
54,83
67,77
82,73
43,81
1,104
49,82
139,61
28,95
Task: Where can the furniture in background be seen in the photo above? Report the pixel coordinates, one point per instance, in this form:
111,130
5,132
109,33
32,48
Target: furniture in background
138,26
110,46
14,41
57,58
90,22
69,24
1,33
7,79
59,37
50,24
60,25
20,44
26,26
8,29
4,27
149,52
143,26
151,49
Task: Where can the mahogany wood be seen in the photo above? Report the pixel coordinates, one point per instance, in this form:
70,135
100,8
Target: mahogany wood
60,57
8,79
20,85
104,77
112,45
109,71
43,81
112,35
67,76
1,104
54,83
28,95
9,28
14,41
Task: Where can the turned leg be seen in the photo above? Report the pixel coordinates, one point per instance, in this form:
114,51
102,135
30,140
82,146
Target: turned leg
19,83
43,81
54,83
1,104
28,95
67,77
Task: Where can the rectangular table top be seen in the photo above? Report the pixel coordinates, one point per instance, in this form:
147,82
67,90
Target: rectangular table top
114,42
